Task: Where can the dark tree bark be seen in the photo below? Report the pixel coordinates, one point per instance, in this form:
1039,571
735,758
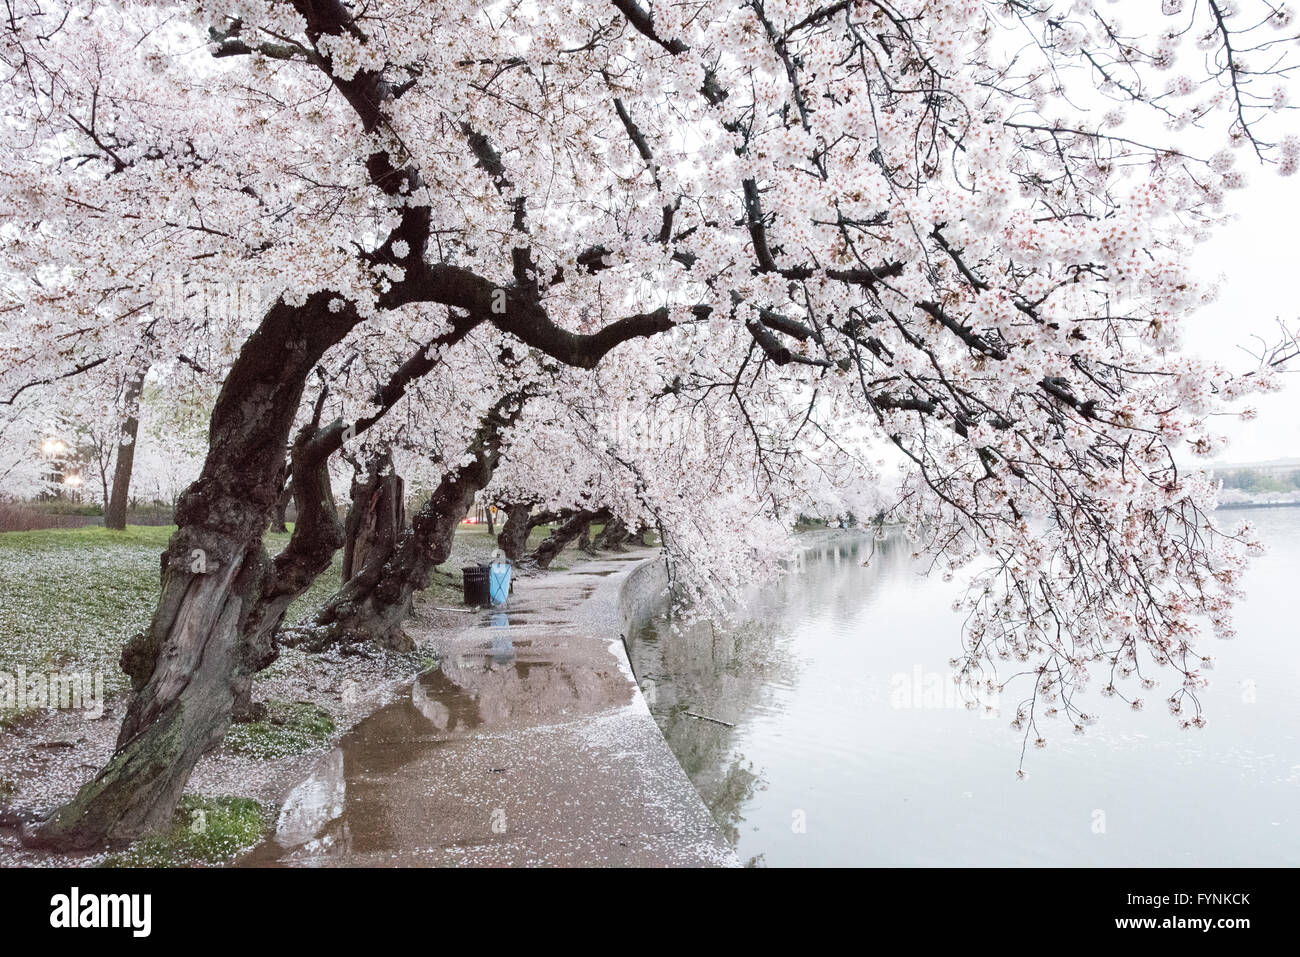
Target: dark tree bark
513,538
279,519
563,535
520,522
115,514
317,535
376,515
611,537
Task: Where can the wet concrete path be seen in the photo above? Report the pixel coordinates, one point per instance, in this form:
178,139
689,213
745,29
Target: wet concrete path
529,745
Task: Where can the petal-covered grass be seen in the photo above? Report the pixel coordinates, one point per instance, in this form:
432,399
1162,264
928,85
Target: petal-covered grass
290,727
70,597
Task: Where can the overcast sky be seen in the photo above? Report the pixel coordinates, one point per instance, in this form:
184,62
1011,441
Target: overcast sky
1257,256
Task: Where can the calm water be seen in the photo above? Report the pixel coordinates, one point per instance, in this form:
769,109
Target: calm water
826,765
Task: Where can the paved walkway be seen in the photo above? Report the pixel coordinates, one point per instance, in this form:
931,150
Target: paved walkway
529,745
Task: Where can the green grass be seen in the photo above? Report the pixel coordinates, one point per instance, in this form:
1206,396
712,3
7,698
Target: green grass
445,587
204,831
154,536
289,728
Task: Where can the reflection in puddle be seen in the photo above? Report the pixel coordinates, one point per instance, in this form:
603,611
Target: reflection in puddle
312,804
503,649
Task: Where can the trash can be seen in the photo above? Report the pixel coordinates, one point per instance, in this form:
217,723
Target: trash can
476,584
499,581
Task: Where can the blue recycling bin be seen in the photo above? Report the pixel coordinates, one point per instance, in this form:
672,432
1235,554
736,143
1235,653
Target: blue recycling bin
499,581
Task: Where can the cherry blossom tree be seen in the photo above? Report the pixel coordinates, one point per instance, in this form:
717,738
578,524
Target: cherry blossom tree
23,470
956,228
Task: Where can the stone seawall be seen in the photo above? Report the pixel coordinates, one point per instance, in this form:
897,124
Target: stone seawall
641,594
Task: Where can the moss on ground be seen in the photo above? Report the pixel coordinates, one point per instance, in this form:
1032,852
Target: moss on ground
204,831
7,790
289,728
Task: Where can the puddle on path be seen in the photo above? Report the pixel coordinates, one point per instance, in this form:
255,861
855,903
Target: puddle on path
387,779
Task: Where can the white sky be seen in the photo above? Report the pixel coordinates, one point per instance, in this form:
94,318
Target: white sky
1257,258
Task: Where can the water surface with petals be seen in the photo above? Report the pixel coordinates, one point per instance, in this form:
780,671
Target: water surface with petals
822,729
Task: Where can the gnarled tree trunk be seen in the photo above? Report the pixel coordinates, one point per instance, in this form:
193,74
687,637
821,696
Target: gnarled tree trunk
376,515
611,537
513,538
219,605
520,522
563,535
372,605
317,535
